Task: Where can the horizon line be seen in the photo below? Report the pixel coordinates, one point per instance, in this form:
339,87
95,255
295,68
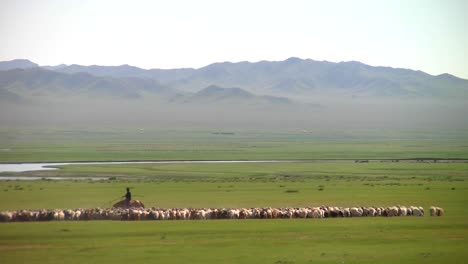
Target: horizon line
234,62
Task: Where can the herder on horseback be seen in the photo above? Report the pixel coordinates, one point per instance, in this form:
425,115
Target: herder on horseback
128,196
128,202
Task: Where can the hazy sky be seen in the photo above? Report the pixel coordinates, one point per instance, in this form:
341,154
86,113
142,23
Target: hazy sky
427,35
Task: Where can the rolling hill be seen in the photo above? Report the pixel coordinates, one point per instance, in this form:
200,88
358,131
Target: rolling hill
217,95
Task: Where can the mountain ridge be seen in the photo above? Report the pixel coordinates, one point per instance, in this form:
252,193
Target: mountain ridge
290,59
291,77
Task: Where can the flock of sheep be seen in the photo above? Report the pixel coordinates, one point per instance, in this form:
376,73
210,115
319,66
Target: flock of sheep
212,213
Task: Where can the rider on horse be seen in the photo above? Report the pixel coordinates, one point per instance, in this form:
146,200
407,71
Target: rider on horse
128,196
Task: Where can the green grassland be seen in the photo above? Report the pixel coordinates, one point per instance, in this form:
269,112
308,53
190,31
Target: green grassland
120,144
346,240
349,240
365,240
245,184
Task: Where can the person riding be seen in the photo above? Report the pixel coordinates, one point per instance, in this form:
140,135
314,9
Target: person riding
128,196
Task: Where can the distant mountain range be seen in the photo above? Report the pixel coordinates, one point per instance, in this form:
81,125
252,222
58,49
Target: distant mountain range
265,81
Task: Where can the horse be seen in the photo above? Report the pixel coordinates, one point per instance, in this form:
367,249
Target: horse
132,203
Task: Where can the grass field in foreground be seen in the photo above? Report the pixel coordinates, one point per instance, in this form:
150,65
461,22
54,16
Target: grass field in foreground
346,240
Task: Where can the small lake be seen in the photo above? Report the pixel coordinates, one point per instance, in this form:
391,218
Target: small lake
33,178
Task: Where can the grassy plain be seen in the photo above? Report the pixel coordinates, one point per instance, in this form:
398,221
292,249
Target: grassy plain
350,240
123,144
365,240
246,184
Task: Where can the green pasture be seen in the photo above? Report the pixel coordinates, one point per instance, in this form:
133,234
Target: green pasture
347,240
246,185
94,145
364,240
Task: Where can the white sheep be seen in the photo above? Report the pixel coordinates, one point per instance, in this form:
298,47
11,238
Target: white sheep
432,211
355,212
417,211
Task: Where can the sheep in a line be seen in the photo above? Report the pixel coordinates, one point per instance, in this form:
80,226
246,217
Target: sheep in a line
140,214
436,211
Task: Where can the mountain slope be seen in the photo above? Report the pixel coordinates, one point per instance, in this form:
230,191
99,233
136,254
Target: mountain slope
38,82
217,95
17,64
